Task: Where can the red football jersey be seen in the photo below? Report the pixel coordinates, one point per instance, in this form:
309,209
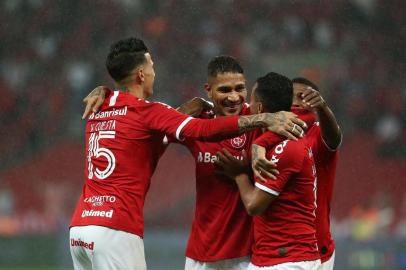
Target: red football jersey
123,145
285,232
326,162
221,227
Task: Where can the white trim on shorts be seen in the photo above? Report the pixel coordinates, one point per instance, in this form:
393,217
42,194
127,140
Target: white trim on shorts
230,264
306,265
329,264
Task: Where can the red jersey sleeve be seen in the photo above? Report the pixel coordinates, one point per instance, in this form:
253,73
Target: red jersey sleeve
268,140
289,159
321,150
163,118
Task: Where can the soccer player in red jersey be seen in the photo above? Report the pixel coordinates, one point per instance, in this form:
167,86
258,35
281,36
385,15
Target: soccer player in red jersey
220,236
123,145
283,209
325,137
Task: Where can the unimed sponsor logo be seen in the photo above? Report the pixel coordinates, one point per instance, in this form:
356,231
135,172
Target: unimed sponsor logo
80,243
92,213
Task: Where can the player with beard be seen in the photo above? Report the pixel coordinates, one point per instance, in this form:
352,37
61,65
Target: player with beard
325,137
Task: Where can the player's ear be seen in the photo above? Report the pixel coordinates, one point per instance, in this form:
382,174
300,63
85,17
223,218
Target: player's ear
140,75
207,88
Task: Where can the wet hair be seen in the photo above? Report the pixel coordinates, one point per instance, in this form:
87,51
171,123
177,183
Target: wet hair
124,56
275,92
222,64
305,81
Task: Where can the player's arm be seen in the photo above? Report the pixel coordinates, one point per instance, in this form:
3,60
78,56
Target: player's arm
221,127
255,200
94,100
195,106
169,121
262,167
330,130
283,123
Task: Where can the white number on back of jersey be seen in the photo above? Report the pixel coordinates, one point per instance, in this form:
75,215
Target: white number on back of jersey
96,151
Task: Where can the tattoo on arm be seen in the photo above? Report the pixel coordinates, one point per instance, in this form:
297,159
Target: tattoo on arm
272,120
254,153
246,123
96,92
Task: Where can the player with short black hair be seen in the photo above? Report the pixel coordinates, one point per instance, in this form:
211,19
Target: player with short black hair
124,56
223,64
304,81
283,209
274,85
325,138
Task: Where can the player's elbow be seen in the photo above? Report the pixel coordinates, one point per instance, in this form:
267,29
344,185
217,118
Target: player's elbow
254,209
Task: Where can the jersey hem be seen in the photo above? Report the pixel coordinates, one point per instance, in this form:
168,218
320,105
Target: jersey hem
206,260
279,261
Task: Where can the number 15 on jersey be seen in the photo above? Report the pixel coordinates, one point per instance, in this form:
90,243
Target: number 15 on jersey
96,151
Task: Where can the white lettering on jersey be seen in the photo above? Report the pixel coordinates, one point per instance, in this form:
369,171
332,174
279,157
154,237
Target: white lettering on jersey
92,213
100,200
103,125
279,150
110,113
207,157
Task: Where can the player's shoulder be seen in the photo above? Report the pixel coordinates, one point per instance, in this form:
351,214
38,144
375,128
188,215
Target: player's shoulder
291,148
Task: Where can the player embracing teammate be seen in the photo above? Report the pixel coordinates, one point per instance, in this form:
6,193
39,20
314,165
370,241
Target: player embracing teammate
123,146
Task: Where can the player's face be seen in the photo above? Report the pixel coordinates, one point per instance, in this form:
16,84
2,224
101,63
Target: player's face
149,75
255,105
227,92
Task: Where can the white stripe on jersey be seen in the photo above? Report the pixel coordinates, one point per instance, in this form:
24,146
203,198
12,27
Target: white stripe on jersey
266,189
181,126
113,99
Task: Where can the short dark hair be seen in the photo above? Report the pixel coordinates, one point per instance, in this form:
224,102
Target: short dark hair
275,92
223,64
305,81
124,56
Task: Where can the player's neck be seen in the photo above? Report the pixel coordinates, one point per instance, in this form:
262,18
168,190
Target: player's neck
133,89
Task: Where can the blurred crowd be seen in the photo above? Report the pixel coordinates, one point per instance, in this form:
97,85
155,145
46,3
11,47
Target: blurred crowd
53,54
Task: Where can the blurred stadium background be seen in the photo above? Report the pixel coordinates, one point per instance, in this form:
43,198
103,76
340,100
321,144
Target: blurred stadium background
52,55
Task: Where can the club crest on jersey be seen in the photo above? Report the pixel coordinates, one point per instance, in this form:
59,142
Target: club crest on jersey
238,142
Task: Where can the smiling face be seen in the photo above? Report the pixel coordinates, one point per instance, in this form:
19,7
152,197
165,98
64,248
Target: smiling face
228,93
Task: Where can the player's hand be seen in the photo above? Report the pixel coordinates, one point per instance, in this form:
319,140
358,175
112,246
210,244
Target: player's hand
94,100
195,106
311,99
286,124
263,168
230,166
